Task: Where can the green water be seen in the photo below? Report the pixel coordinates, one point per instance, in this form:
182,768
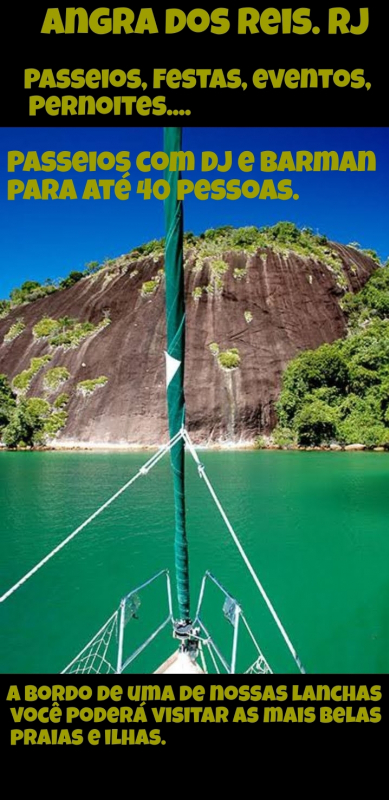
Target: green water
315,526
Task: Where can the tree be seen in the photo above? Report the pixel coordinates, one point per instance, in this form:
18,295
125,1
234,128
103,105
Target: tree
22,294
71,279
341,391
66,323
7,401
325,366
5,306
91,267
316,423
24,427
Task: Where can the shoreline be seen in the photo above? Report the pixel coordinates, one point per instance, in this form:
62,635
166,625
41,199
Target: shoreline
118,447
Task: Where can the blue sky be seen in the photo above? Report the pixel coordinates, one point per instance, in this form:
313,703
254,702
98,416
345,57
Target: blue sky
41,239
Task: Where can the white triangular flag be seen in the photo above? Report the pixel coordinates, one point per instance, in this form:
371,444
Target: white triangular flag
172,365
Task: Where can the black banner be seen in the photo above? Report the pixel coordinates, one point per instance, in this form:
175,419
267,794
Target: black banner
209,66
172,714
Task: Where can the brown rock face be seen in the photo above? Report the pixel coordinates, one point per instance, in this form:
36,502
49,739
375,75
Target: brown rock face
293,305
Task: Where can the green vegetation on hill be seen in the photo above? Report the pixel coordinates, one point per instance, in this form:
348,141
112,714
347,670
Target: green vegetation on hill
61,401
46,327
89,386
7,401
371,302
21,382
55,421
27,422
229,359
33,290
55,377
25,426
15,330
74,335
340,392
283,238
33,421
66,332
149,287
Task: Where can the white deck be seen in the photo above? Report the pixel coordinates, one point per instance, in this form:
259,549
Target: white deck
179,664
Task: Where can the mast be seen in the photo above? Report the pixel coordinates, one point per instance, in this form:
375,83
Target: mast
175,355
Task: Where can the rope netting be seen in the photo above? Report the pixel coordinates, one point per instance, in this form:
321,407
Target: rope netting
105,653
93,658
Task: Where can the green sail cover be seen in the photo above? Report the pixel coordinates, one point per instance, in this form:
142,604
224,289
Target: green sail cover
175,322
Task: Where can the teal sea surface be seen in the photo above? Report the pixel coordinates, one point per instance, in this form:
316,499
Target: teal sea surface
314,525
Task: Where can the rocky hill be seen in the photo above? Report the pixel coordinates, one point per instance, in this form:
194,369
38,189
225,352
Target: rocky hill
254,300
